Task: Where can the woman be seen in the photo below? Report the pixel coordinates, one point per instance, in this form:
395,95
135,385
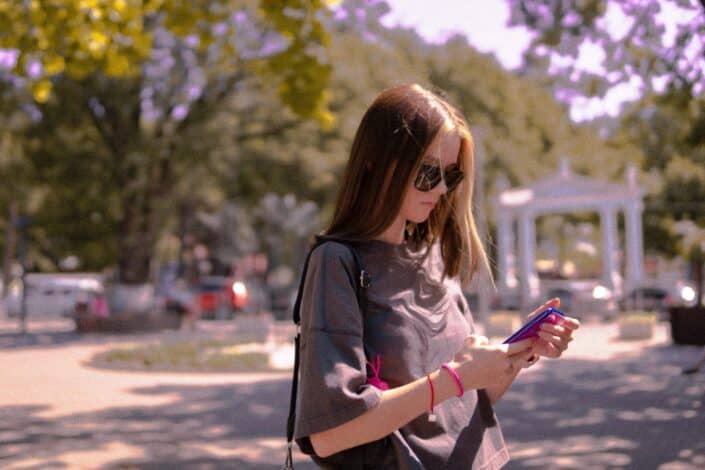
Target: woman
402,382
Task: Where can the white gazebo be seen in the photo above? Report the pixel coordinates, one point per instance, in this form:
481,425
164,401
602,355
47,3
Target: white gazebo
562,193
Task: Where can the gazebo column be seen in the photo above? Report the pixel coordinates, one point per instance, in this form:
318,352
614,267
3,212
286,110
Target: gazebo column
527,246
608,224
505,252
634,244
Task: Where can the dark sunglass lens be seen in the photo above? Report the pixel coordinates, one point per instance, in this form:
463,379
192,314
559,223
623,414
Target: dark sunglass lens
453,179
427,178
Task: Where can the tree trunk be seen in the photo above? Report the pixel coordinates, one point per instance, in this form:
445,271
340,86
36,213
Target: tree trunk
136,243
142,171
139,227
10,245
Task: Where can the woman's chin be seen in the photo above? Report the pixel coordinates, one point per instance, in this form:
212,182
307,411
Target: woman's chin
419,219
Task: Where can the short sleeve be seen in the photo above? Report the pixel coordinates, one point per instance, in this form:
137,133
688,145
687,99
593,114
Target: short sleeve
332,385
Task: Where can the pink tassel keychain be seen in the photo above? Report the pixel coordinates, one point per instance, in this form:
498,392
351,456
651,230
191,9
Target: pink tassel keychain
375,381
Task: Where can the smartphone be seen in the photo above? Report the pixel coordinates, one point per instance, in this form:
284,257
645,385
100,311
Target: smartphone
531,328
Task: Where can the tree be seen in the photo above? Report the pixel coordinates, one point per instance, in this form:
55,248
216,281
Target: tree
526,130
629,34
667,122
13,172
128,92
245,144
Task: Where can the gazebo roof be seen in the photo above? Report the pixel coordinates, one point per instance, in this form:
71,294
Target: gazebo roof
568,191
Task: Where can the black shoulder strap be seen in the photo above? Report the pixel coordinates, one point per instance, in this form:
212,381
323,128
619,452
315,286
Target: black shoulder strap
362,281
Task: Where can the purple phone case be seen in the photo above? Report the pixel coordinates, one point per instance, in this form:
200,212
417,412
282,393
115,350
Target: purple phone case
531,328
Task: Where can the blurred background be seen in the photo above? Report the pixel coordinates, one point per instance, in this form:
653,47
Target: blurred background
164,164
147,143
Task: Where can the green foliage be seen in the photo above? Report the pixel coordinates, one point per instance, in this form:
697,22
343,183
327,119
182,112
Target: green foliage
641,49
300,71
200,355
668,123
116,38
525,131
128,92
114,167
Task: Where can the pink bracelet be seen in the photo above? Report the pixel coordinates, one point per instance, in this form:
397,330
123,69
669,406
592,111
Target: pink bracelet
431,413
456,379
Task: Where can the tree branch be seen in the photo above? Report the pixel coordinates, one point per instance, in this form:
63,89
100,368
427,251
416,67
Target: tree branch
268,132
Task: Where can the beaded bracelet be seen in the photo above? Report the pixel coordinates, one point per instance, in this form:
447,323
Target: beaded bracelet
456,378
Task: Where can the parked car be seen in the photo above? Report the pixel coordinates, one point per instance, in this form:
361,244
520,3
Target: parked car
215,297
221,296
51,295
566,296
585,298
660,299
510,301
647,298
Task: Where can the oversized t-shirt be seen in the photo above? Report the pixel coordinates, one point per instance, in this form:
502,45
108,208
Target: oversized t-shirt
412,321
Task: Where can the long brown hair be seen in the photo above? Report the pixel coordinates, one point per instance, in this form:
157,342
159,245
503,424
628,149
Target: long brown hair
386,154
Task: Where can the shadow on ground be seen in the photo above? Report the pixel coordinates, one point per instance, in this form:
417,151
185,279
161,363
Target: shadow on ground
13,340
638,412
223,426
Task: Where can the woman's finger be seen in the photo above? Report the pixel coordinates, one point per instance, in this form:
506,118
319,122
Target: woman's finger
570,323
560,343
554,302
556,330
549,349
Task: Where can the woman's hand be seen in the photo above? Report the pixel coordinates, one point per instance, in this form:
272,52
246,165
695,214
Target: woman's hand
553,338
481,365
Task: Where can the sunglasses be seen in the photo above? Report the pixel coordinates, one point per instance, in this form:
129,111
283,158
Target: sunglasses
429,176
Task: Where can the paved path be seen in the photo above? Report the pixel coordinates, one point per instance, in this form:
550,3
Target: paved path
606,404
609,404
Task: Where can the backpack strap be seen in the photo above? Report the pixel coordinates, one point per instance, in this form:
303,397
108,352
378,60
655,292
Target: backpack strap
362,281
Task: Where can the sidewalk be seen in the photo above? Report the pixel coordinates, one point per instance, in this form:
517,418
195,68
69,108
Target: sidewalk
605,404
608,404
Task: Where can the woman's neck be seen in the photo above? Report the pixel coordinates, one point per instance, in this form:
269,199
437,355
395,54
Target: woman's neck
394,233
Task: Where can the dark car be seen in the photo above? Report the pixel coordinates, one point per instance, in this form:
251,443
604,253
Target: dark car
214,297
653,299
222,296
566,296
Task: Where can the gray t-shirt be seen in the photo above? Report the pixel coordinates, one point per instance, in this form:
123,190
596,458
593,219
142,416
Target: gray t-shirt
413,321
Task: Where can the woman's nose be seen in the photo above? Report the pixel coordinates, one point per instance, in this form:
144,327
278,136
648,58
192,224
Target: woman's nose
441,188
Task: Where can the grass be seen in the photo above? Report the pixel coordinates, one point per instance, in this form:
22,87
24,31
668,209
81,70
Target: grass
188,355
